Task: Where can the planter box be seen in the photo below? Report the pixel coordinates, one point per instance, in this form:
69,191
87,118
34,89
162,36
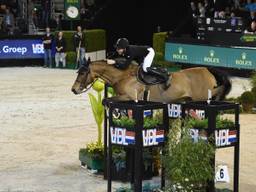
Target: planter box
70,65
90,161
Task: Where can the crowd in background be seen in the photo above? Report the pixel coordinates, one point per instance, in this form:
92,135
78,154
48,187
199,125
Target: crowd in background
8,13
40,16
225,9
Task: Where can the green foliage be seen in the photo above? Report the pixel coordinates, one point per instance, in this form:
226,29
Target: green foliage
247,100
253,79
203,123
198,123
159,42
95,40
187,163
124,121
254,92
159,56
150,122
224,123
247,97
71,57
68,35
95,149
98,112
159,47
127,122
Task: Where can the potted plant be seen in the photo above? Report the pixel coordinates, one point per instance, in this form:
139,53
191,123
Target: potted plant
187,163
247,100
71,60
221,123
93,155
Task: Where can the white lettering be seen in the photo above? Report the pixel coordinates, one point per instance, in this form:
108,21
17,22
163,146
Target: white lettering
38,48
118,136
149,137
174,110
7,49
221,137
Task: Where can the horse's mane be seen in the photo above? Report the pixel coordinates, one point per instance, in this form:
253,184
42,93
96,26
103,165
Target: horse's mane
131,68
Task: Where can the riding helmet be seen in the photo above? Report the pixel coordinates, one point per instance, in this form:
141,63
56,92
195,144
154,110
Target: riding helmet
122,43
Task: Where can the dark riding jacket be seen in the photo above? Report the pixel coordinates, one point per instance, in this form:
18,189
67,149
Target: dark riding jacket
132,52
77,39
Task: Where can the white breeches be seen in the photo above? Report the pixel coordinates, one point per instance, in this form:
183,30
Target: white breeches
148,59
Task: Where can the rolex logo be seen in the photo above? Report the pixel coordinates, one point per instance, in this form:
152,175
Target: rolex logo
243,56
180,55
212,53
180,50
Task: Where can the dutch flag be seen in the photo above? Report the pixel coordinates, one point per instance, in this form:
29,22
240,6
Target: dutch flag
160,136
130,137
232,136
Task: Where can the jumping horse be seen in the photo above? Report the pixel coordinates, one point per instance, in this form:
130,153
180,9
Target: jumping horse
186,85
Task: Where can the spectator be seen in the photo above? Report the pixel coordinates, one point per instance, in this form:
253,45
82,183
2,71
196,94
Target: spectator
201,10
222,14
208,9
47,41
79,44
252,29
8,22
60,55
59,20
252,16
194,9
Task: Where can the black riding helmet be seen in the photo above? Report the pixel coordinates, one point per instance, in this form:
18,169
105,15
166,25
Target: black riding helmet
122,43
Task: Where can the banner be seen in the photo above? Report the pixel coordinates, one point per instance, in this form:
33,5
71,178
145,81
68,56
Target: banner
21,49
72,9
234,57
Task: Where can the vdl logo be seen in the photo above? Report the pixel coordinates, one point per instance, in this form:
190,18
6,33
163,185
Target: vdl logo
38,48
180,55
243,60
211,58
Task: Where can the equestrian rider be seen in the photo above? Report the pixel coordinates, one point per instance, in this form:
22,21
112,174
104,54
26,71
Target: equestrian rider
143,55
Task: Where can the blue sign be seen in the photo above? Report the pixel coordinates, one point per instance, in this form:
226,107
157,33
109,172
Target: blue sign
21,49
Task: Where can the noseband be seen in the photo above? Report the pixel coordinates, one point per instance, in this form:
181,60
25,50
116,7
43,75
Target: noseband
87,71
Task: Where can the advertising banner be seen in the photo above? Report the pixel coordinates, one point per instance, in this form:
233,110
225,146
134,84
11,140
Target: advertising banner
235,57
21,49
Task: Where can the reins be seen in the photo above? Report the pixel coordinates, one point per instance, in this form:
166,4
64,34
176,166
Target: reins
90,86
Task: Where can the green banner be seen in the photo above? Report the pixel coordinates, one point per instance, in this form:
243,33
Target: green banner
72,9
242,58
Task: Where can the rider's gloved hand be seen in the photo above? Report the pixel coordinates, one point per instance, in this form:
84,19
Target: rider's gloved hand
111,61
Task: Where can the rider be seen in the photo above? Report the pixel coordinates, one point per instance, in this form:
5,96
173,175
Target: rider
143,55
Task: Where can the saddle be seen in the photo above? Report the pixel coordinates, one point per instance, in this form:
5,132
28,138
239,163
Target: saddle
155,75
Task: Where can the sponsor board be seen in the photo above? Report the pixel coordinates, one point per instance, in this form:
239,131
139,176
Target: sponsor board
150,137
21,49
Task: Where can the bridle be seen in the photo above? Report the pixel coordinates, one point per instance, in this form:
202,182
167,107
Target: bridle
81,83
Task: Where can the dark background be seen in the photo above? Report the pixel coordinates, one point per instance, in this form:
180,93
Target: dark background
137,20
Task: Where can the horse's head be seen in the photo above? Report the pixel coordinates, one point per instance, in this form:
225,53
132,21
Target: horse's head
84,78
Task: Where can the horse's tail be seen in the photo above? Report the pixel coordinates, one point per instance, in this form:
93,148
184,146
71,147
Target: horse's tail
223,83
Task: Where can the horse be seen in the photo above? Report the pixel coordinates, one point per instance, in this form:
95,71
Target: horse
190,84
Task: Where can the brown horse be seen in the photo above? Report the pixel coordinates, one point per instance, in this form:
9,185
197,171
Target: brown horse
189,84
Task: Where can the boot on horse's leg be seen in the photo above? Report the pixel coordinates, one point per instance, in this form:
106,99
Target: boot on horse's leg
164,76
